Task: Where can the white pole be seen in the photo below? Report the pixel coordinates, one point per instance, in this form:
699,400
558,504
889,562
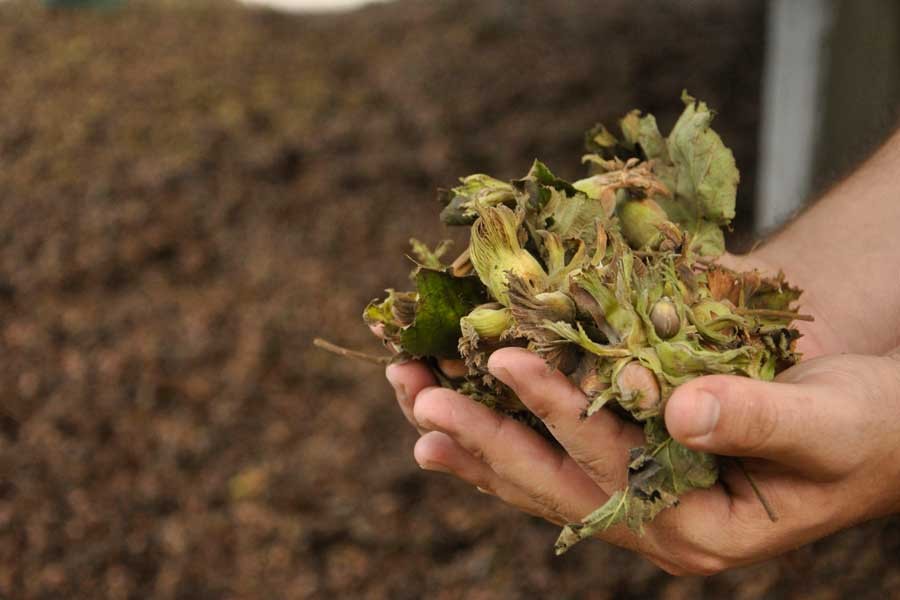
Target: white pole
792,106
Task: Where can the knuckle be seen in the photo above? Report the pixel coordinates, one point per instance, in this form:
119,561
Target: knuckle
602,470
887,375
757,423
548,501
499,428
481,447
427,405
477,453
539,404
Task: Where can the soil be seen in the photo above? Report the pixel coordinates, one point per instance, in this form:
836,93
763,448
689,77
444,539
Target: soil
190,193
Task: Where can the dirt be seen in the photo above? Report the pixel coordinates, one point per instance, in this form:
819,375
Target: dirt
189,194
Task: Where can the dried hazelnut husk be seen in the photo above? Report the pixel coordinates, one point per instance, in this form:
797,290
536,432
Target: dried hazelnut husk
559,305
404,308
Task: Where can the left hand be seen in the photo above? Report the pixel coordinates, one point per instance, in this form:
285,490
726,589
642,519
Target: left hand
822,444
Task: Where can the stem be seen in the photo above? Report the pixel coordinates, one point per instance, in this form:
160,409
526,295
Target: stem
660,447
462,265
777,314
773,516
347,353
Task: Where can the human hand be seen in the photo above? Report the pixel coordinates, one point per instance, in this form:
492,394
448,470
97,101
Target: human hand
822,446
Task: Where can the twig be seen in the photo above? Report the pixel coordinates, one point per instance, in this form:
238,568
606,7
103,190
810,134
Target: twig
462,265
346,352
773,516
777,314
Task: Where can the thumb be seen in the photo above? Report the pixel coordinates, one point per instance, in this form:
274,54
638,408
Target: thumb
739,416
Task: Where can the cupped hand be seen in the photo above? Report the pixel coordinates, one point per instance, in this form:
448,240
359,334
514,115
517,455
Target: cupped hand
822,444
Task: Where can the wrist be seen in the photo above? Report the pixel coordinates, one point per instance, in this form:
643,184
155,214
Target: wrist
892,397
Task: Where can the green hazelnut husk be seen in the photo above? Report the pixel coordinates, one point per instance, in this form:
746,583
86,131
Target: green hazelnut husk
646,226
496,252
709,310
488,321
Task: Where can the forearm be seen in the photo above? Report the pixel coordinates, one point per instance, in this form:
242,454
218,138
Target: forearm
845,252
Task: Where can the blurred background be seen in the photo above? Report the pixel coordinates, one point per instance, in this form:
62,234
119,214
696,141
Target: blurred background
191,191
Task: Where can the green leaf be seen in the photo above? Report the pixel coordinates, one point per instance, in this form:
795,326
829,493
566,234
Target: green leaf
542,174
686,469
644,132
613,512
599,140
442,301
427,257
575,218
477,191
706,167
707,240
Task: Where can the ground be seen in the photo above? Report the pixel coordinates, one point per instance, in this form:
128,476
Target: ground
188,195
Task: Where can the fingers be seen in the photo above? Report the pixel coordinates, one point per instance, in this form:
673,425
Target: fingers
408,379
738,416
599,443
514,452
436,451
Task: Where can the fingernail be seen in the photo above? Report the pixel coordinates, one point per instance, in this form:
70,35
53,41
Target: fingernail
390,373
705,417
399,388
431,466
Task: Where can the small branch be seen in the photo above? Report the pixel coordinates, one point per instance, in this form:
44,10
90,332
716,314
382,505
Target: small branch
661,446
347,353
777,314
462,265
773,516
